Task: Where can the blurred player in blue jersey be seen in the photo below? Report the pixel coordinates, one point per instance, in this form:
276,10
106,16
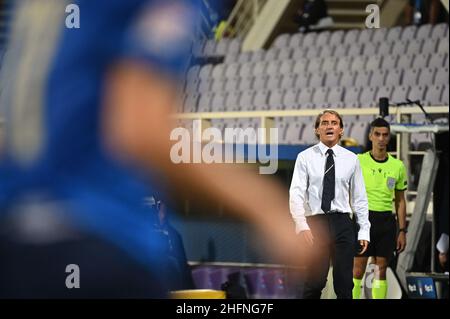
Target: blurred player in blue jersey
86,137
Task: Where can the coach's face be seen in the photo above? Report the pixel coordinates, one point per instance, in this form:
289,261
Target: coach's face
329,129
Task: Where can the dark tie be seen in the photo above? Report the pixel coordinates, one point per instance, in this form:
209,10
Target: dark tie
328,183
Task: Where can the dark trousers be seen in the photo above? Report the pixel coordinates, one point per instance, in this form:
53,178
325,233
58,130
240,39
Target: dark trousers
335,240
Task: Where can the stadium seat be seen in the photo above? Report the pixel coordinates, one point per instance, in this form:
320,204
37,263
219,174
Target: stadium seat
314,65
389,62
408,33
245,57
335,96
258,55
332,78
276,99
427,75
400,93
205,71
379,35
378,78
305,96
399,47
273,82
245,83
384,48
287,67
336,38
204,104
299,53
285,53
300,66
272,54
259,68
347,79
343,64
350,37
367,97
288,81
430,46
437,60
433,95
411,76
341,50
217,85
246,101
218,102
355,50
328,64
421,61
424,31
232,101
358,63
393,77
323,38
351,97
394,34
296,40
261,100
417,93
414,46
246,70
232,70
309,39
373,63
302,80
273,67
439,31
290,100
405,61
369,48
260,82
443,46
363,77
317,79
235,45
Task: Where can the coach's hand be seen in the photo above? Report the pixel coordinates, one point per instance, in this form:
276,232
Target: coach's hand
307,237
364,244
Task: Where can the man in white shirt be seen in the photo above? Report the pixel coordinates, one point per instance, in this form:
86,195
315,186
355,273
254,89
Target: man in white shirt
327,186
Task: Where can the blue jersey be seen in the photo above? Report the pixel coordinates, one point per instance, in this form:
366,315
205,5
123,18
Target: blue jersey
53,75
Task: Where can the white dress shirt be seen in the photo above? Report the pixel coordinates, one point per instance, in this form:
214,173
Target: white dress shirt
305,194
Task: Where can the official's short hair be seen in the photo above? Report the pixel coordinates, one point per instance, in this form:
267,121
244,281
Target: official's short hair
379,122
316,126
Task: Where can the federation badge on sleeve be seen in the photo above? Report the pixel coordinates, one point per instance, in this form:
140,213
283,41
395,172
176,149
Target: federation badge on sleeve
391,183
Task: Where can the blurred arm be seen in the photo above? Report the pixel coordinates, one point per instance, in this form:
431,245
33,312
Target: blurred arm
136,123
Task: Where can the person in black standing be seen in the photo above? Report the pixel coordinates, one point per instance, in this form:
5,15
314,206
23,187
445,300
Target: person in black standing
327,186
177,266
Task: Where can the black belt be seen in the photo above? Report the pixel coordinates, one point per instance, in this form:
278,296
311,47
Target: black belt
334,212
380,212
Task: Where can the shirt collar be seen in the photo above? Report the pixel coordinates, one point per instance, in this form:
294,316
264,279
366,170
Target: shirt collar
323,148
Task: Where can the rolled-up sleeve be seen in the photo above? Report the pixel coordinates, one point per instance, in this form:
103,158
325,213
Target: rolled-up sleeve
359,203
297,193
